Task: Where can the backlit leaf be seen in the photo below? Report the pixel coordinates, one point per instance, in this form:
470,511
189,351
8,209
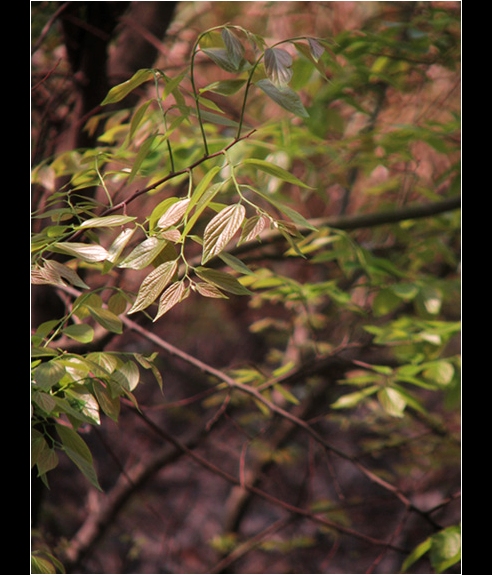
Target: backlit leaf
220,230
173,295
105,222
153,285
173,214
87,252
117,93
143,254
278,64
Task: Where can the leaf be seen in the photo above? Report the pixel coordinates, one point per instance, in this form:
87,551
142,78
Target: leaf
235,49
446,548
222,280
142,153
284,97
416,554
87,252
117,93
209,290
127,376
220,230
153,285
119,244
79,332
224,87
252,229
143,254
173,295
105,222
278,64
107,319
352,399
109,405
392,401
440,372
76,448
66,272
173,214
48,374
316,48
274,170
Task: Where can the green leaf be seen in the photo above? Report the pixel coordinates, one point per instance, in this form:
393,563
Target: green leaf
48,374
440,372
220,230
222,280
352,399
416,554
107,319
79,332
235,49
127,376
87,252
224,87
278,64
173,295
392,401
142,153
274,170
284,97
110,405
77,450
153,285
117,93
445,550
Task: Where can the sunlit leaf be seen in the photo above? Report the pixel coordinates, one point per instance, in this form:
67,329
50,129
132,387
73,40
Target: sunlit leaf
220,230
173,214
153,285
392,401
117,93
48,374
144,254
86,252
105,222
209,290
118,245
173,295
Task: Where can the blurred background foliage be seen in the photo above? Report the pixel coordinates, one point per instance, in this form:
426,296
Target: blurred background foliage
362,332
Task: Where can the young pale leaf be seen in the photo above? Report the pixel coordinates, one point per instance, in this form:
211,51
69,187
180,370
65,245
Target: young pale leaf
153,285
252,229
278,64
143,254
87,252
115,249
209,290
220,230
173,295
284,97
105,222
222,280
316,48
117,93
173,214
